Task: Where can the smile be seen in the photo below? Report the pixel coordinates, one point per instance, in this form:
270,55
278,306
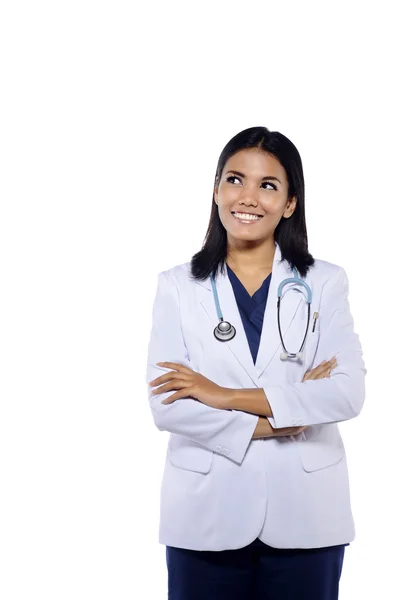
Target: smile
246,217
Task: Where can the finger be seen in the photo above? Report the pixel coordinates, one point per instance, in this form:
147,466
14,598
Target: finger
177,396
328,362
284,431
175,366
168,377
318,372
177,384
320,375
330,365
323,368
312,373
323,375
298,430
329,368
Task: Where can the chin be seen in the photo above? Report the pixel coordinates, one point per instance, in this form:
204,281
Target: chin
245,237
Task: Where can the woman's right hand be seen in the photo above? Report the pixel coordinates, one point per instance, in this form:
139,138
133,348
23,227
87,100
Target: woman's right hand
264,428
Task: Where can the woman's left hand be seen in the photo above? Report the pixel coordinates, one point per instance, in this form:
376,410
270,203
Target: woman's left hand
190,383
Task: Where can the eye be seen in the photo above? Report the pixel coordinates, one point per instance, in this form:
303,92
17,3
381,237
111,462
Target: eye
269,183
232,177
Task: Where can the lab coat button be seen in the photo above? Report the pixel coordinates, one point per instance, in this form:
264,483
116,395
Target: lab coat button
225,451
218,449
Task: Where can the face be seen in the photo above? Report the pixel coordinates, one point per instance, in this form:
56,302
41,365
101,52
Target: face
252,196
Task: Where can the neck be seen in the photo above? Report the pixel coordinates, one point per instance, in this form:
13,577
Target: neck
251,257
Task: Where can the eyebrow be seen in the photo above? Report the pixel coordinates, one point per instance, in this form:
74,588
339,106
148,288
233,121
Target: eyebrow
270,177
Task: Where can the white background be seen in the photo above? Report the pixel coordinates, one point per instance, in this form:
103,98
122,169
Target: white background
112,121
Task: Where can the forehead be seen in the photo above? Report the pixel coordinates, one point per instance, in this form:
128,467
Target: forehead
255,163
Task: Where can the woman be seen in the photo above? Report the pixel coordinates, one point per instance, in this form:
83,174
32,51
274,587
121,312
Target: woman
255,497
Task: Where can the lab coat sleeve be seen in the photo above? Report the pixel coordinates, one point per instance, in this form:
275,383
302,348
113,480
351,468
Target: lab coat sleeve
339,397
226,432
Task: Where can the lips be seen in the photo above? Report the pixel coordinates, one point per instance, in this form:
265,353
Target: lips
245,213
246,218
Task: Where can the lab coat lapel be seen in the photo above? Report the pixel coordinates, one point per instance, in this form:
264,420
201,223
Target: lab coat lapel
239,345
270,341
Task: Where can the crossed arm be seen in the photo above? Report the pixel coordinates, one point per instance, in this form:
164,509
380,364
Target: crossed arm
246,414
186,383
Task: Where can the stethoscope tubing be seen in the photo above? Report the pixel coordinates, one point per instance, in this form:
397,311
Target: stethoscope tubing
225,332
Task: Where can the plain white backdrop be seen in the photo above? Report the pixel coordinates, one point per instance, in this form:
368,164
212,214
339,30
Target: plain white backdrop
113,116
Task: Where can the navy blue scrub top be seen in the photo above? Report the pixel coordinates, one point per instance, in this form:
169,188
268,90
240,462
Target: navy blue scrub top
251,308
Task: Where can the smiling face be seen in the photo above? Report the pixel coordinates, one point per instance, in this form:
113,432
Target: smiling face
252,196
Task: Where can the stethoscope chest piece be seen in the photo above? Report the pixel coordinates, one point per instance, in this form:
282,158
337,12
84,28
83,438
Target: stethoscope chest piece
224,331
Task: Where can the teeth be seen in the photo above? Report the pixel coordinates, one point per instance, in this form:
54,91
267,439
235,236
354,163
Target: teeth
245,217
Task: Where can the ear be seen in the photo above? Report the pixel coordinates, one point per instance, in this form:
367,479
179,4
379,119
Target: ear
216,194
290,207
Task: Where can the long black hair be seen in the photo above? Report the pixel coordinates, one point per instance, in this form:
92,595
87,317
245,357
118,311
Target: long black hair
290,233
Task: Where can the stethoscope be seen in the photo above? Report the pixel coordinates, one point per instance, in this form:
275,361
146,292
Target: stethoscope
224,331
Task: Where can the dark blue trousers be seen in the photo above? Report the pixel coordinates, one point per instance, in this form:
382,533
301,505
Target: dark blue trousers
256,572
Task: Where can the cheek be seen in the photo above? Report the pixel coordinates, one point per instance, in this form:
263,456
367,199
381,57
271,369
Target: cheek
223,213
228,194
225,207
274,208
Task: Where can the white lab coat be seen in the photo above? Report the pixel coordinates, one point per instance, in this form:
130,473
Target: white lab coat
221,489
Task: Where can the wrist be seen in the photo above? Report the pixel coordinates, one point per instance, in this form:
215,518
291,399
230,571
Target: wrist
235,399
229,398
263,429
241,399
251,400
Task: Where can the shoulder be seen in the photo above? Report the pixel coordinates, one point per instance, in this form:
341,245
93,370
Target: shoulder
324,271
329,281
178,275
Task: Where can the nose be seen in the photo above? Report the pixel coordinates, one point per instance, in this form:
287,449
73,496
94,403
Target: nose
248,199
249,194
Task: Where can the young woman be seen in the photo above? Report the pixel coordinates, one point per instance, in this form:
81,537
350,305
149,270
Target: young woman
250,374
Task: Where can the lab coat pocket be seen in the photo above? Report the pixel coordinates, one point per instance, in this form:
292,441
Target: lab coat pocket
321,446
189,455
